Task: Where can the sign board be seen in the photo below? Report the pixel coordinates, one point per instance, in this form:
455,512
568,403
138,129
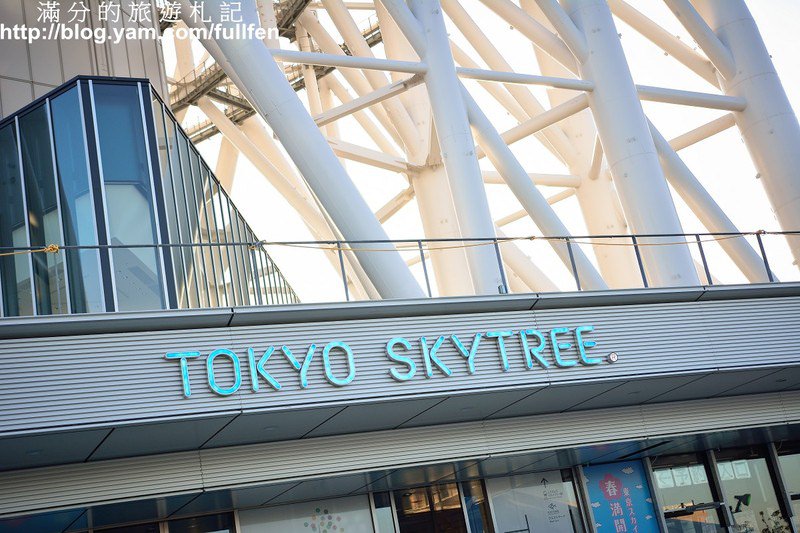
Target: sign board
620,498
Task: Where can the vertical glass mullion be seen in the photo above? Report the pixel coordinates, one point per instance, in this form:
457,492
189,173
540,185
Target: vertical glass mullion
194,218
173,227
221,254
25,210
227,257
251,252
154,207
248,271
208,251
235,279
62,253
266,283
185,230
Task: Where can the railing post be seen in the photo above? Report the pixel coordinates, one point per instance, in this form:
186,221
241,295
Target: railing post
424,269
572,263
639,260
256,281
703,259
764,255
504,286
344,274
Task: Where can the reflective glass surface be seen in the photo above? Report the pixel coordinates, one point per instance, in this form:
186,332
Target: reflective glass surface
477,507
434,508
684,490
749,492
128,196
543,501
77,203
218,523
50,283
14,269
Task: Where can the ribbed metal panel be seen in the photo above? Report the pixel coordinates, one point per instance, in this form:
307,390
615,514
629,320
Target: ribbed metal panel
121,378
121,479
91,483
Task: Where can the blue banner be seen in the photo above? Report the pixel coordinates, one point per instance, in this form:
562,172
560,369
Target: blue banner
620,498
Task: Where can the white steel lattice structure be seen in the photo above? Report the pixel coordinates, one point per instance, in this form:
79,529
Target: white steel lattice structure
430,128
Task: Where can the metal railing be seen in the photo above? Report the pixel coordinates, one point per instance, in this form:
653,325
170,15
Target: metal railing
243,273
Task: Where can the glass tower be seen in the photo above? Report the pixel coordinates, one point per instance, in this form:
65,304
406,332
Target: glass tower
101,168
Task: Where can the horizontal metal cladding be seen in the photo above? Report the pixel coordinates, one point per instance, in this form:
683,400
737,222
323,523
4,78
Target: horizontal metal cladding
259,464
122,378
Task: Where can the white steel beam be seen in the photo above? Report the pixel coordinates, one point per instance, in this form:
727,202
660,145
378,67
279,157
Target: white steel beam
455,138
597,198
363,102
524,79
668,42
394,205
629,147
542,121
362,117
354,77
703,132
225,171
691,98
717,52
345,61
708,211
528,195
769,125
518,215
269,92
566,29
549,180
374,158
533,30
358,46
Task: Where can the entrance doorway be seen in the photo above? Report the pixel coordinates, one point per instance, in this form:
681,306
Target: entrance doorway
430,509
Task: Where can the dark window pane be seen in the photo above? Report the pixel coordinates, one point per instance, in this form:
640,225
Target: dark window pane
128,195
43,217
142,528
218,523
14,269
77,204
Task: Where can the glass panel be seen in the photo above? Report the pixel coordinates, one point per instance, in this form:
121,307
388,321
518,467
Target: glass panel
477,507
77,204
142,528
341,515
790,468
749,492
544,501
685,493
425,509
173,227
128,194
43,217
190,295
244,253
203,231
384,519
227,257
211,253
193,210
235,280
14,269
218,523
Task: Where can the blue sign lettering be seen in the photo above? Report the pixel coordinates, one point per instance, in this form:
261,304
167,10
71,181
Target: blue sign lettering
567,348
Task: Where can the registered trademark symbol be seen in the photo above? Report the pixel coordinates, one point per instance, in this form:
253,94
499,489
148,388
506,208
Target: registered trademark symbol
613,357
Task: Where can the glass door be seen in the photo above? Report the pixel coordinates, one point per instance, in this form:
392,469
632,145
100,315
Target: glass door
684,491
434,509
749,492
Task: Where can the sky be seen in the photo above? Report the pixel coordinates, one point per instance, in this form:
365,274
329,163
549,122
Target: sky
721,163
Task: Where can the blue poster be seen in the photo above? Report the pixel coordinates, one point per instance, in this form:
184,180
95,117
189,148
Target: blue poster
620,498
